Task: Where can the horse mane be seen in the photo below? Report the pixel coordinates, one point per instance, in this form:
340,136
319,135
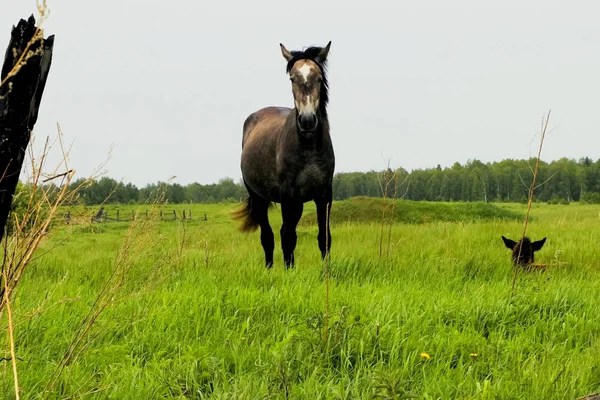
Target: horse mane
312,53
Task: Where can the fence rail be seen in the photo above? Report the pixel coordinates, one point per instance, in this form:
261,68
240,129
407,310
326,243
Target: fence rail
117,216
125,216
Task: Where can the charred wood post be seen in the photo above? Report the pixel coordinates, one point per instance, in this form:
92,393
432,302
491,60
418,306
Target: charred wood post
24,72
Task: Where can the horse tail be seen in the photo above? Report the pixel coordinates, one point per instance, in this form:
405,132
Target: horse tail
247,213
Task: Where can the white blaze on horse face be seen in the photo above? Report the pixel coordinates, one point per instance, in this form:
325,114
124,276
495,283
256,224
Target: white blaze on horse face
307,106
305,71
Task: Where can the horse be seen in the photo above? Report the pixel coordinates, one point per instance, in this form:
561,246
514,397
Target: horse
288,158
526,247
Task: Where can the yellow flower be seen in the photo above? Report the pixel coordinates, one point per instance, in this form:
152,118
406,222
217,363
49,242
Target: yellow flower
473,354
425,355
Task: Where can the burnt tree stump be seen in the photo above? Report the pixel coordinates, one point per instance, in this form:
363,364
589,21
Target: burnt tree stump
20,97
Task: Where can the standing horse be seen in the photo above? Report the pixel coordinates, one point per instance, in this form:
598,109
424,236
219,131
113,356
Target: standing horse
287,157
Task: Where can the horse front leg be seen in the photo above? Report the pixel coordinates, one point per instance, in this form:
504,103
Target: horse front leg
324,235
291,212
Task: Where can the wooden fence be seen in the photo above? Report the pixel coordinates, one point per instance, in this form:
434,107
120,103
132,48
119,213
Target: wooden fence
118,216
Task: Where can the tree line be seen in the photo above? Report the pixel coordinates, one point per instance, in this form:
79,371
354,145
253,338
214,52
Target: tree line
563,180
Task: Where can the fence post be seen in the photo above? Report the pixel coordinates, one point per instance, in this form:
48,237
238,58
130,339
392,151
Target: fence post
160,214
117,215
146,213
174,215
184,214
20,98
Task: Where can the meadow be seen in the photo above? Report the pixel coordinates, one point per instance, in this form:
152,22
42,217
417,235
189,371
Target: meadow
419,308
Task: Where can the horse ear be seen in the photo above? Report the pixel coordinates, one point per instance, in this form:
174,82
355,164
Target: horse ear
538,245
323,53
509,243
286,54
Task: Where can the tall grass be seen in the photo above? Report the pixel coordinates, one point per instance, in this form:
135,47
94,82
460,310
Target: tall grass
29,228
142,262
228,328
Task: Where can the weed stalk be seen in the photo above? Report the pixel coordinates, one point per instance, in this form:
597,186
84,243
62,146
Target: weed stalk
530,200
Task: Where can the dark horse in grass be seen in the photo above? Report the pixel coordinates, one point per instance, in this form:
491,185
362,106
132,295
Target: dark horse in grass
287,157
523,250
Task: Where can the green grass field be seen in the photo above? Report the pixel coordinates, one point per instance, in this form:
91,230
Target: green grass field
194,313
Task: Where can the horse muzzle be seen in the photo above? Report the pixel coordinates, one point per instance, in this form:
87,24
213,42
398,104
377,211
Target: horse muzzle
307,122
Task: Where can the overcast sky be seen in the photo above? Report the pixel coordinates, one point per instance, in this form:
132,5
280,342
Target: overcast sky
169,83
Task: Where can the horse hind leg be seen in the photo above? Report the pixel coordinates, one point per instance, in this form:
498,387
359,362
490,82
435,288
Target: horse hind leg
255,214
267,239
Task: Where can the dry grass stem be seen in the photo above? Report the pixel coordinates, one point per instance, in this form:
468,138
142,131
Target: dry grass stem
384,184
531,192
11,334
27,53
327,258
